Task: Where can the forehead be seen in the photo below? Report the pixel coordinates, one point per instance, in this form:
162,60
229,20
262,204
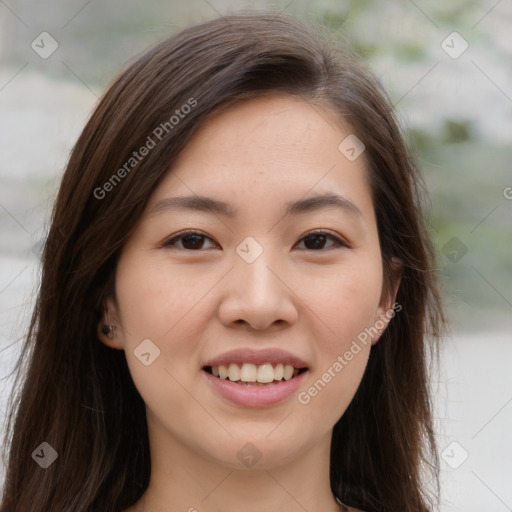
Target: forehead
277,127
268,150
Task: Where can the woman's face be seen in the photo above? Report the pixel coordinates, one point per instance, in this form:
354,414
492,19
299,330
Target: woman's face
257,287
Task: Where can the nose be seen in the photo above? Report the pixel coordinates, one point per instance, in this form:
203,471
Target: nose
258,294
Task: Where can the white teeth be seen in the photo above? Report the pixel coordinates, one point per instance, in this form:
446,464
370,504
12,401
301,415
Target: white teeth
288,372
248,372
279,372
265,373
223,371
233,372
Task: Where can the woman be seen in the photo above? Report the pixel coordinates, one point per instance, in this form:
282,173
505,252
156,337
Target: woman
238,299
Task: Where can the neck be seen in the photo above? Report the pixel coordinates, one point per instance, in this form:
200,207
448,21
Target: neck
182,479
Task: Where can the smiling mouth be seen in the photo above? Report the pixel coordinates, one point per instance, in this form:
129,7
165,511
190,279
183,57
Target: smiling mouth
248,374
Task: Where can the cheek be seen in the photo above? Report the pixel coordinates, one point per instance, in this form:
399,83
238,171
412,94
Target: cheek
165,306
347,301
349,307
345,304
334,385
156,298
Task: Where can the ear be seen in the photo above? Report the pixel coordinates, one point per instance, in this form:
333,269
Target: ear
387,305
109,327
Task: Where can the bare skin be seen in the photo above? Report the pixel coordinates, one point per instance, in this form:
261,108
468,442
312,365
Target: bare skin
199,298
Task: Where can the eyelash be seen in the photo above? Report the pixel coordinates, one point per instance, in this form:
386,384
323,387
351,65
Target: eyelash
183,234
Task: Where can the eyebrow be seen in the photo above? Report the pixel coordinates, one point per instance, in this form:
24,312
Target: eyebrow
210,205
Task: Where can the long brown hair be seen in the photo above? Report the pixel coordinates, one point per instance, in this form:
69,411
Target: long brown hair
77,395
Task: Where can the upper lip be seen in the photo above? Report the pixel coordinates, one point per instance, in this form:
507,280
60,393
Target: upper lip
243,355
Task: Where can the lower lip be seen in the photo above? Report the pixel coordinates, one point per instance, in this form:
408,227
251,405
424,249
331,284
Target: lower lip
255,396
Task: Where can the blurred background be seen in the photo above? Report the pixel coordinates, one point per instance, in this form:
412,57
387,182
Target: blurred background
447,67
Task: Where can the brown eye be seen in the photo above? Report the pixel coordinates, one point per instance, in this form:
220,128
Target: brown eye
195,241
190,241
317,240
